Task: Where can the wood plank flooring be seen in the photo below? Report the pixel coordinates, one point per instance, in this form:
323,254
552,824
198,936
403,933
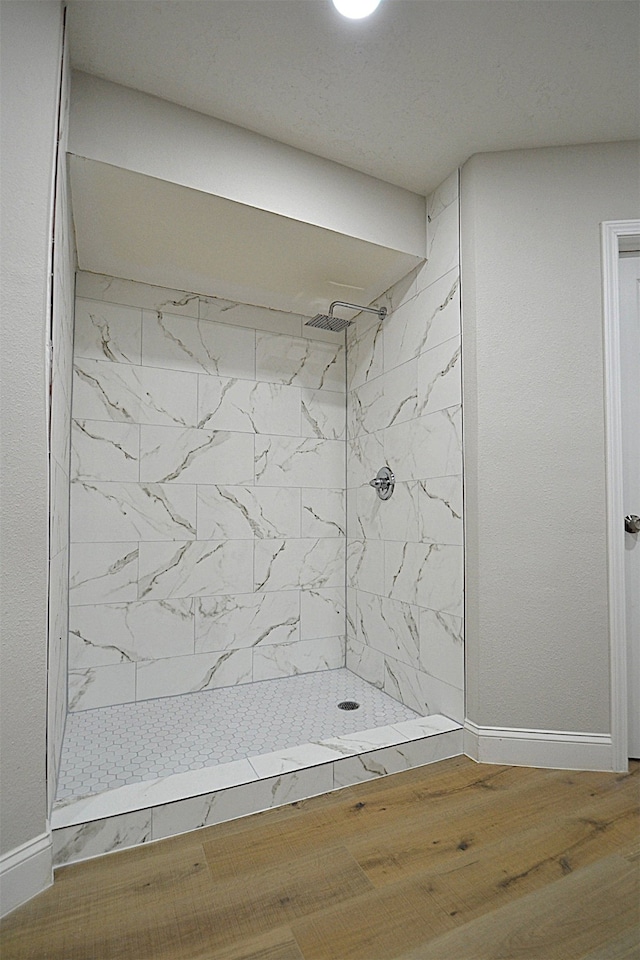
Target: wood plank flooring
453,861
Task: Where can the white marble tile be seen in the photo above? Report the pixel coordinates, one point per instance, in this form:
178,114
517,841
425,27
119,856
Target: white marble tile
300,362
98,286
408,685
365,456
423,692
401,291
91,687
428,319
430,446
185,343
422,727
365,662
248,315
237,512
444,698
86,840
394,519
350,618
307,564
365,565
298,785
364,741
240,801
390,398
195,568
444,196
117,391
247,620
203,671
443,243
439,377
248,406
151,793
298,656
107,331
125,632
439,508
405,756
58,508
430,575
322,613
354,532
364,357
295,758
103,511
390,626
323,414
294,462
58,665
105,450
442,647
441,579
323,513
60,416
103,572
173,455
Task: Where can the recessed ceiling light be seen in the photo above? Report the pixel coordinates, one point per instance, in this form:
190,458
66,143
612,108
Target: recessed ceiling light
355,9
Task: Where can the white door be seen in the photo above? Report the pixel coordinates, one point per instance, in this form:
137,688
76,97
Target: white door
629,274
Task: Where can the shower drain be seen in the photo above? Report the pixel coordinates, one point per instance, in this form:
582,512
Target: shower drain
348,705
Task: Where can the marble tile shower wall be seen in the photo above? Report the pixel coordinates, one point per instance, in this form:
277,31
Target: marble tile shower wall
59,459
207,495
405,555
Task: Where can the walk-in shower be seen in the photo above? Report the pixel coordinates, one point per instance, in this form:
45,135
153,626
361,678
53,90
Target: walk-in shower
236,577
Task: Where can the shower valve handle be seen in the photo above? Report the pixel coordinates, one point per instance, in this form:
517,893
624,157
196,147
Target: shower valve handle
383,483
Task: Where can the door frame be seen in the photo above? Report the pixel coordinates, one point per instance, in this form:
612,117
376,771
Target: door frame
612,231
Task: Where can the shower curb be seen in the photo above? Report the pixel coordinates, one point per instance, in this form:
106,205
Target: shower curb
153,810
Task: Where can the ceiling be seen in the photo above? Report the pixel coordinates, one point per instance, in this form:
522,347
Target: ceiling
406,96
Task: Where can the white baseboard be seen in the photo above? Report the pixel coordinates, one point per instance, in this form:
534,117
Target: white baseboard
556,749
25,871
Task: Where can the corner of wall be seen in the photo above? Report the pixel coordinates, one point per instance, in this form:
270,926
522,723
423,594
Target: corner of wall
25,872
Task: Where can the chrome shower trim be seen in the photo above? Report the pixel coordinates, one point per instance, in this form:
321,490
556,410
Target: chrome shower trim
327,321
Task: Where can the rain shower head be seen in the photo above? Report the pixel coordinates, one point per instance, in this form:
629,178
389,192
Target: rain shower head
327,321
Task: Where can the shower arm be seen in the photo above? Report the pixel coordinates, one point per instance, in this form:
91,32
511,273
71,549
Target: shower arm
381,312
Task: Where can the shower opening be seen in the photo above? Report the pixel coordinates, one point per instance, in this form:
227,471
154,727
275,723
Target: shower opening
250,623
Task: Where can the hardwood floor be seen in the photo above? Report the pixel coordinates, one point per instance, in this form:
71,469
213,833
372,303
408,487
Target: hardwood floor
454,861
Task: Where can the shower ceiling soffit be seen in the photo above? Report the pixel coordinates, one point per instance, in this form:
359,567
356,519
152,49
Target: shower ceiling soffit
142,228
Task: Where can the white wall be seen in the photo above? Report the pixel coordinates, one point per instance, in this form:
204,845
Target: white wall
537,619
135,131
31,54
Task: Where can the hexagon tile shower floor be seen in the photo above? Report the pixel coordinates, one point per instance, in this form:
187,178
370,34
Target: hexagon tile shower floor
111,746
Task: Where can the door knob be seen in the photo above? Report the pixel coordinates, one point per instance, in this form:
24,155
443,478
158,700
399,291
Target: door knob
632,523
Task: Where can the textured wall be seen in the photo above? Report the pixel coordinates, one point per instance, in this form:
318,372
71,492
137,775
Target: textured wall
405,560
537,614
31,51
207,505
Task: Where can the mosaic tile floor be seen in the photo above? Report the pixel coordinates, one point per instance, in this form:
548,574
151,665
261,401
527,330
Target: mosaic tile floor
131,742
